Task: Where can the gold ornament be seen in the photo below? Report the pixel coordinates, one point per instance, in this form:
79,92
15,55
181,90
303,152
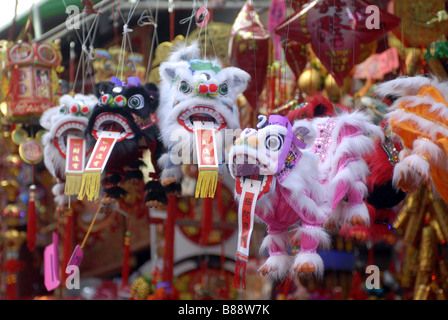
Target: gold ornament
140,289
309,81
334,92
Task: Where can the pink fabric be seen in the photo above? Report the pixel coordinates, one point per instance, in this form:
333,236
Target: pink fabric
289,203
343,186
341,190
275,250
348,131
355,197
308,243
284,214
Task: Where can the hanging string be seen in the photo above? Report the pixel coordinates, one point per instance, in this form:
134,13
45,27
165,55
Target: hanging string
148,19
13,25
207,29
332,50
86,56
386,46
353,53
283,62
427,40
126,40
414,32
190,19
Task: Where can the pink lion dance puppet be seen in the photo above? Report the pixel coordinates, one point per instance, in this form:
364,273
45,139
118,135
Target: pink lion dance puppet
289,193
341,144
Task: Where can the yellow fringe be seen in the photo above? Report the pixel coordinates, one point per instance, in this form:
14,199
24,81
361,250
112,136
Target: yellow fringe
72,184
90,186
206,184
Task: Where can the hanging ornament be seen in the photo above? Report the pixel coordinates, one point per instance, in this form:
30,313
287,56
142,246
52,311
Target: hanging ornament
336,30
310,81
335,92
202,17
418,119
32,68
340,143
296,55
122,125
249,46
63,159
419,23
203,95
272,184
276,15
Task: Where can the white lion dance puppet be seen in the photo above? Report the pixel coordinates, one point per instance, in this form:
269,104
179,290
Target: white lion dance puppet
68,118
197,102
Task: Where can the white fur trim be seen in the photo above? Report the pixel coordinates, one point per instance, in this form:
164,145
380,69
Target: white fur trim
310,258
348,211
421,124
405,86
280,266
281,240
436,155
413,166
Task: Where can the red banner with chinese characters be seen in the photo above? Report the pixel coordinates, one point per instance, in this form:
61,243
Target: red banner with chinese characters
91,178
74,164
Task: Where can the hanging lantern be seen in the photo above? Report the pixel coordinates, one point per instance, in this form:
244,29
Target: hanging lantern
336,31
31,90
249,50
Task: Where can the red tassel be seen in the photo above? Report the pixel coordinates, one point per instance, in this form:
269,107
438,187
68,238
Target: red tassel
239,281
31,227
127,253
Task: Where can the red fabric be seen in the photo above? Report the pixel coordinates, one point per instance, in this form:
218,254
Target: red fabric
126,268
31,226
207,220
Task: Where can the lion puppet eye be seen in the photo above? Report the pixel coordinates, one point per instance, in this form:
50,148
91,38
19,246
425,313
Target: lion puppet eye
184,87
136,101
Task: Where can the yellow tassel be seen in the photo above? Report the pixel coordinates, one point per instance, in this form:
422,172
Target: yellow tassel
72,184
206,184
90,186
